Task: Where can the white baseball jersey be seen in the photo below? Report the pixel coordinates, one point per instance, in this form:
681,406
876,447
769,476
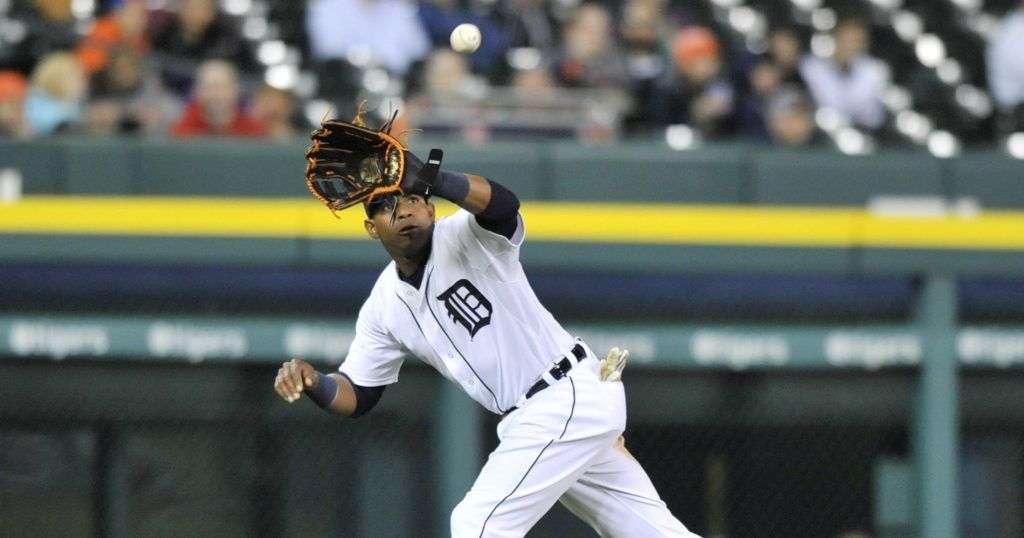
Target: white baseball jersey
474,318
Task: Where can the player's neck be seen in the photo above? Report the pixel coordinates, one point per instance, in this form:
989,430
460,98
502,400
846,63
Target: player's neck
408,265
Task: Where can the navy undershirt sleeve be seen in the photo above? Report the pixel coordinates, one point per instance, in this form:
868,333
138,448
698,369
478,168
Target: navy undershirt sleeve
366,397
501,215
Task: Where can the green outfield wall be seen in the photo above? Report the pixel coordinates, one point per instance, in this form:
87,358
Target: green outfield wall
730,207
636,171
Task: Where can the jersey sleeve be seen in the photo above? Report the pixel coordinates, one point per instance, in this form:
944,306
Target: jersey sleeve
473,238
375,356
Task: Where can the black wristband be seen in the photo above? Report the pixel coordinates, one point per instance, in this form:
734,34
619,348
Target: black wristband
324,392
452,186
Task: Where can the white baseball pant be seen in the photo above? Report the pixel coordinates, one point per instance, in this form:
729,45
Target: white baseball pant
565,445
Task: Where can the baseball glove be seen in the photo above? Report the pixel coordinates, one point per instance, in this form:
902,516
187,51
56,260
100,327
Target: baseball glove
349,163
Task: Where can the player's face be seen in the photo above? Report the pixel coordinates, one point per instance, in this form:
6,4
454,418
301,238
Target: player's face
409,231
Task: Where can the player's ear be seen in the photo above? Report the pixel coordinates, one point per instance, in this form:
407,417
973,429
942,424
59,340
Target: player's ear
371,229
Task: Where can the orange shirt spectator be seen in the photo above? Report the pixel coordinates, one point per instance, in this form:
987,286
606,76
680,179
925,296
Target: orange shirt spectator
13,89
125,27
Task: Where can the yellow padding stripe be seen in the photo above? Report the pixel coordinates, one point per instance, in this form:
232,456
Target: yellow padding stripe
545,221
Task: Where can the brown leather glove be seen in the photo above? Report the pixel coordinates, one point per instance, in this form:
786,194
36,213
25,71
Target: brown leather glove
349,163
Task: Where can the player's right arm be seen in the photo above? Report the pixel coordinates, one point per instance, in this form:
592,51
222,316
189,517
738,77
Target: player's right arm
333,392
372,363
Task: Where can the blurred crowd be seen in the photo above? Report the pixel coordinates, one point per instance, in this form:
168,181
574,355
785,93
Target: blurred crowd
187,68
182,69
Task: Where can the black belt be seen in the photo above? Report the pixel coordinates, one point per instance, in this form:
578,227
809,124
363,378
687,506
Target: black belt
558,371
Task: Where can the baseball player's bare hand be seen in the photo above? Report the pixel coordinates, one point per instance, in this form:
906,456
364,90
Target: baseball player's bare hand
294,377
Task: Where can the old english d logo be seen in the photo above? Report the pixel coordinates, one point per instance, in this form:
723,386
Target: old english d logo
466,305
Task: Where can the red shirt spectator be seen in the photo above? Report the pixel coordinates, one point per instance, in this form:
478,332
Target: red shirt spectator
215,108
194,123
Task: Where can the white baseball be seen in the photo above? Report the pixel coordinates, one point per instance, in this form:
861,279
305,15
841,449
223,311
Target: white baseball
465,38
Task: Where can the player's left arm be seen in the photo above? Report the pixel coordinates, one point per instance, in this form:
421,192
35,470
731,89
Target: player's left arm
496,208
469,191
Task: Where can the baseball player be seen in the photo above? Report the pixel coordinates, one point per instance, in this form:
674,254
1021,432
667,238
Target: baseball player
455,296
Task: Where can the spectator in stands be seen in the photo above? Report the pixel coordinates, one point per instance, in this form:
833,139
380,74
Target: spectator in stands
447,89
195,33
446,74
105,116
643,24
123,28
643,29
387,33
1005,56
789,115
590,56
58,87
275,109
529,23
154,109
696,92
849,81
779,68
215,109
781,65
49,26
127,97
440,17
13,89
113,89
